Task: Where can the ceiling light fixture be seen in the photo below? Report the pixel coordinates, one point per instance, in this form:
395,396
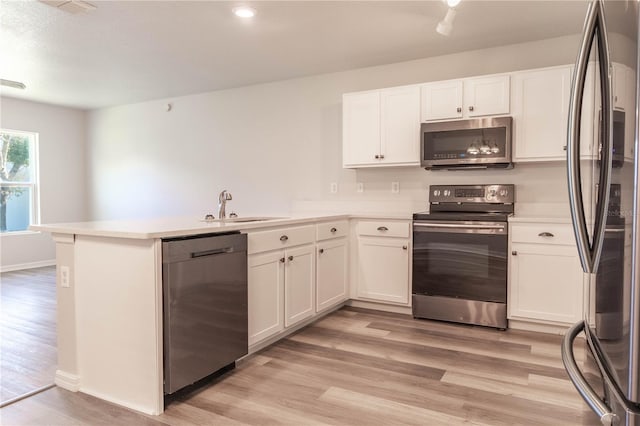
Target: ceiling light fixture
13,84
244,12
446,25
453,3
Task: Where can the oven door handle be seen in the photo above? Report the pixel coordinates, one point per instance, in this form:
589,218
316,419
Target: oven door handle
455,226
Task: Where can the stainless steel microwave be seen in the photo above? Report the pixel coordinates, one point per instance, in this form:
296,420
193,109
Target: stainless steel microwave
466,144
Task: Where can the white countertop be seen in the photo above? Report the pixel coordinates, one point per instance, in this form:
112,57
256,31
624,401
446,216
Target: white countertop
185,226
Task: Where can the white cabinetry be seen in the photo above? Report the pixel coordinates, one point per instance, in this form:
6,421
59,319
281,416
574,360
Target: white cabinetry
281,280
381,127
383,256
540,110
331,275
629,119
619,78
473,97
545,277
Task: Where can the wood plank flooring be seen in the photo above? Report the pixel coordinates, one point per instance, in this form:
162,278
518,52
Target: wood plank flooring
28,353
360,367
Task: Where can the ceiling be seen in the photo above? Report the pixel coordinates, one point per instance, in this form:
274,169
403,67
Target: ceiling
132,51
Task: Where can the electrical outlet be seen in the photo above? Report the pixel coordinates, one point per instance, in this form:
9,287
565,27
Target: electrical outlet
395,187
360,187
334,188
64,277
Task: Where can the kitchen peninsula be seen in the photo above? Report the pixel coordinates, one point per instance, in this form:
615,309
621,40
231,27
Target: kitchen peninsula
109,282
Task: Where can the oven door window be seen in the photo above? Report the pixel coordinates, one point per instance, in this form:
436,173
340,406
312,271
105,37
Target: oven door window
461,265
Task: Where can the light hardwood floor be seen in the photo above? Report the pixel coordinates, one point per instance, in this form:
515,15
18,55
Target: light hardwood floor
359,367
27,331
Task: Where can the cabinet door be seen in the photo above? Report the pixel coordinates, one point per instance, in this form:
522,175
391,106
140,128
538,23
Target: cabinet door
400,125
619,86
540,113
441,101
299,284
360,128
486,96
331,283
383,269
546,283
266,285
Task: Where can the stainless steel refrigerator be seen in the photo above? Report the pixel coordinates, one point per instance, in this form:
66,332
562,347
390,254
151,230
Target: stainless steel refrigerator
602,174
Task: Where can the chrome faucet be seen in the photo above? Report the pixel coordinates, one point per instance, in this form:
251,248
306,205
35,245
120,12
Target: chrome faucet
222,203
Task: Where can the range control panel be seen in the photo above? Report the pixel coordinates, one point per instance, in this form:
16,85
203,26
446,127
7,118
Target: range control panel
464,194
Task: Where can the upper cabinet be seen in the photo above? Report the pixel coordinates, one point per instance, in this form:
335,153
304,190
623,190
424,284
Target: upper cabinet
381,127
619,77
540,110
468,98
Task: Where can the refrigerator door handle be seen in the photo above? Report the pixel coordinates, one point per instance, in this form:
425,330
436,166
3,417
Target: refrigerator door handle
593,30
607,417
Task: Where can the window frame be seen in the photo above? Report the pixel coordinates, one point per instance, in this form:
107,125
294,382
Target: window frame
33,184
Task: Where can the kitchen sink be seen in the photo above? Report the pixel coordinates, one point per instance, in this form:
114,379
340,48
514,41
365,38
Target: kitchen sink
241,219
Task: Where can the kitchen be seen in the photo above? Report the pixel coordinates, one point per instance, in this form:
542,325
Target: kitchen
138,142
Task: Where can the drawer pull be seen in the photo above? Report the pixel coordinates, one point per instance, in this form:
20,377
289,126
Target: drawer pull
514,253
282,260
545,234
404,247
321,251
284,238
290,258
333,230
382,228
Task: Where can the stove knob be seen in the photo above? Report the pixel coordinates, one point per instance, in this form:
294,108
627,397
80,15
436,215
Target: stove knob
503,192
436,192
447,192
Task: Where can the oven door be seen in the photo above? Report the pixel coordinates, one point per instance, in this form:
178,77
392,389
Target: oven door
466,260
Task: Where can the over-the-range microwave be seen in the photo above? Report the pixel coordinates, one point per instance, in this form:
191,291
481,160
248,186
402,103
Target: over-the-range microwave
478,143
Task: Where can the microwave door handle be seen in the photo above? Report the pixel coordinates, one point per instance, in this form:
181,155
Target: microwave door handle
576,205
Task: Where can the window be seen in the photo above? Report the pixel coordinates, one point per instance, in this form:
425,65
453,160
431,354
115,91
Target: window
18,181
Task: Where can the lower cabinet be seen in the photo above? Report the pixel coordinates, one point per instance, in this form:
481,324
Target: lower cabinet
331,282
299,280
266,287
383,261
546,279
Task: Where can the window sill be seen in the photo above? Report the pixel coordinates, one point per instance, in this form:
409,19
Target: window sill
16,233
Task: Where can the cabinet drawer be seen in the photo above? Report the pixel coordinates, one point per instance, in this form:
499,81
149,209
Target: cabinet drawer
381,228
332,229
543,233
280,238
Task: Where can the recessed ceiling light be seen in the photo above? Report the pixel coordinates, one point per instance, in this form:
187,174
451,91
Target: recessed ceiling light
453,3
244,12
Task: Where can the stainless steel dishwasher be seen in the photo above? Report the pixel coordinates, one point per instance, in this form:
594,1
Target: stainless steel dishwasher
205,306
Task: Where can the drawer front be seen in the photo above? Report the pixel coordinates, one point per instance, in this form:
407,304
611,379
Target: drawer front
329,230
543,233
381,228
280,238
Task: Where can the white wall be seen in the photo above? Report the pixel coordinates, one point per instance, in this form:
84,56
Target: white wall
62,175
276,143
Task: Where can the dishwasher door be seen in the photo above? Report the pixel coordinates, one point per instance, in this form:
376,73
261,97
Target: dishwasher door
205,306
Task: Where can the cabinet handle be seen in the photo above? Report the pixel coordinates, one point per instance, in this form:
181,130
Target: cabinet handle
381,156
333,230
282,260
564,148
514,253
284,238
471,108
615,99
382,228
290,258
459,109
545,234
321,251
404,247
377,156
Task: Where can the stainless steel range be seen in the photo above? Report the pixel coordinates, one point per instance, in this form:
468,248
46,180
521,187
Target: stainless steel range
460,254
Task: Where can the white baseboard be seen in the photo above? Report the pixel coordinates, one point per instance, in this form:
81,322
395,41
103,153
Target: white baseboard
539,327
154,411
30,265
68,381
380,306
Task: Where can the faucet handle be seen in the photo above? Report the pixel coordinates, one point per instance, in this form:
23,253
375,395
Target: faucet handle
228,196
233,215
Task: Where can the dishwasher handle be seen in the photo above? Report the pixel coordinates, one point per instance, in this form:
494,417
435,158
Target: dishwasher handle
211,252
